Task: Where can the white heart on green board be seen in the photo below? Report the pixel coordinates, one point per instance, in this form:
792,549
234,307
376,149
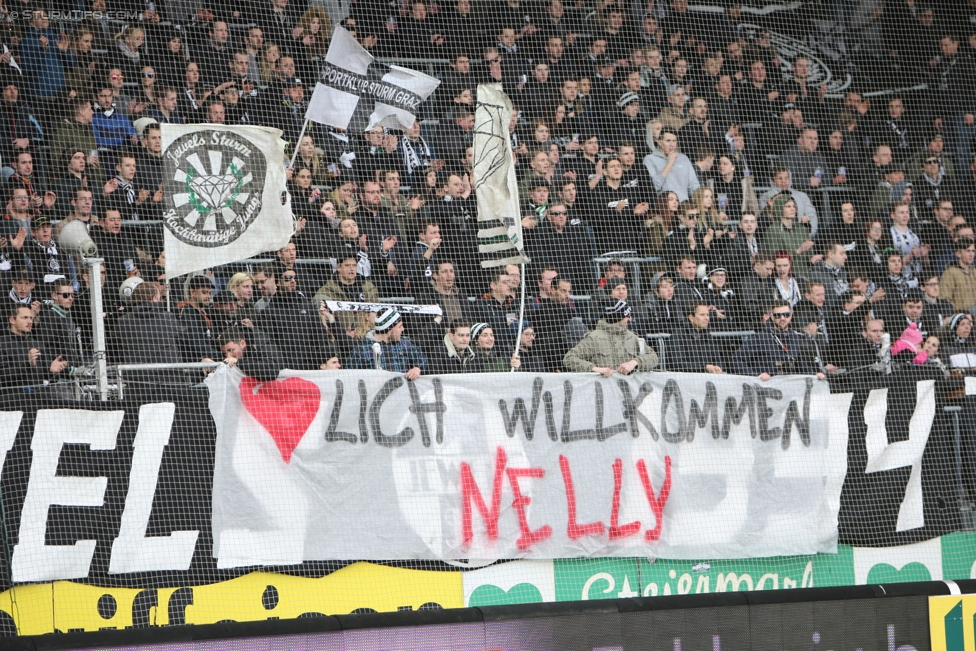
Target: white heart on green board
506,576
917,562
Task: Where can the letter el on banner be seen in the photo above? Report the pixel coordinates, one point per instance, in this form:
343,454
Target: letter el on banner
952,622
610,467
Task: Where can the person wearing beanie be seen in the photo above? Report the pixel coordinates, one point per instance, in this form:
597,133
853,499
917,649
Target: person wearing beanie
957,335
611,347
910,342
493,357
628,125
396,353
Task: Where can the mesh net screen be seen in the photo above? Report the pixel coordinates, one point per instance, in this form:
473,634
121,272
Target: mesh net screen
652,299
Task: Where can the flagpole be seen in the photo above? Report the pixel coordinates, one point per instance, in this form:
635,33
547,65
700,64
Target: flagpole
298,144
518,339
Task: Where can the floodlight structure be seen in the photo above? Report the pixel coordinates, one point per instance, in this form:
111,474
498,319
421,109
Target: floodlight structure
74,238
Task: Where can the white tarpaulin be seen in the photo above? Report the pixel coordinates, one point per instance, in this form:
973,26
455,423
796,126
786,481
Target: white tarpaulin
500,234
360,466
223,187
356,93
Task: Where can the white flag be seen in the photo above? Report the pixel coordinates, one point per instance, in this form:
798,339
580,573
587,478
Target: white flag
499,214
223,187
356,93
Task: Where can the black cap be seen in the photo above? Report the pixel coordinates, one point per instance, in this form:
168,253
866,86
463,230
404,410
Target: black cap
292,81
21,273
40,220
199,282
224,296
603,61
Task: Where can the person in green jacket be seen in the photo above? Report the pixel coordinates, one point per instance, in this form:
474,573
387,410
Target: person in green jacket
612,346
492,358
785,234
76,133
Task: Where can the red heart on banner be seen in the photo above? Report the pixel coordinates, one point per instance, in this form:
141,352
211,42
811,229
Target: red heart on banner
283,407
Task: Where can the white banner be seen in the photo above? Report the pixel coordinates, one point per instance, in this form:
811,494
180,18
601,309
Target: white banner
223,188
500,235
351,465
356,93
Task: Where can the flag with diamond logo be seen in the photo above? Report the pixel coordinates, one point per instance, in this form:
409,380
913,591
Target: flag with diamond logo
224,193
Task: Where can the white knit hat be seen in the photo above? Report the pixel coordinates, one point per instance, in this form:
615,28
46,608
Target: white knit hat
386,320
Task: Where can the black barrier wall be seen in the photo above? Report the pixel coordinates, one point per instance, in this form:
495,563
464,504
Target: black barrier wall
868,618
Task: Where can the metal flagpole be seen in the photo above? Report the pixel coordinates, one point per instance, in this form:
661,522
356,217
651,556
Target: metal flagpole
518,339
298,144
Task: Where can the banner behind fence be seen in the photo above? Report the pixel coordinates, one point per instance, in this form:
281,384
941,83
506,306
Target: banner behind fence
153,499
346,466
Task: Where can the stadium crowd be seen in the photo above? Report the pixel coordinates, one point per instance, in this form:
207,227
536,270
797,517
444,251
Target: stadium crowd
642,130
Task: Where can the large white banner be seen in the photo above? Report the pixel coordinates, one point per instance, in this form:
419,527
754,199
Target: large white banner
353,465
223,188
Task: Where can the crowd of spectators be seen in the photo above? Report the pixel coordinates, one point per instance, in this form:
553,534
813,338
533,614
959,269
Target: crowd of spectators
757,200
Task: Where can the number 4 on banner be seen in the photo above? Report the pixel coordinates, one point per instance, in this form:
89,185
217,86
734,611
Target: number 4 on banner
888,456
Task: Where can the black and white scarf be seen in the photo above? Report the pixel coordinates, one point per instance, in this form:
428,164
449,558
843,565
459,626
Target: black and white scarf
411,158
840,285
130,190
791,293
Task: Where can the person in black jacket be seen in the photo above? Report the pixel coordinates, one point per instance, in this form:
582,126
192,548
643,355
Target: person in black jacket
954,104
562,244
844,324
684,241
687,288
454,354
617,215
661,311
17,126
456,213
755,290
253,355
57,329
550,318
284,108
116,247
148,334
863,349
295,327
777,350
197,342
935,311
741,249
24,359
692,349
